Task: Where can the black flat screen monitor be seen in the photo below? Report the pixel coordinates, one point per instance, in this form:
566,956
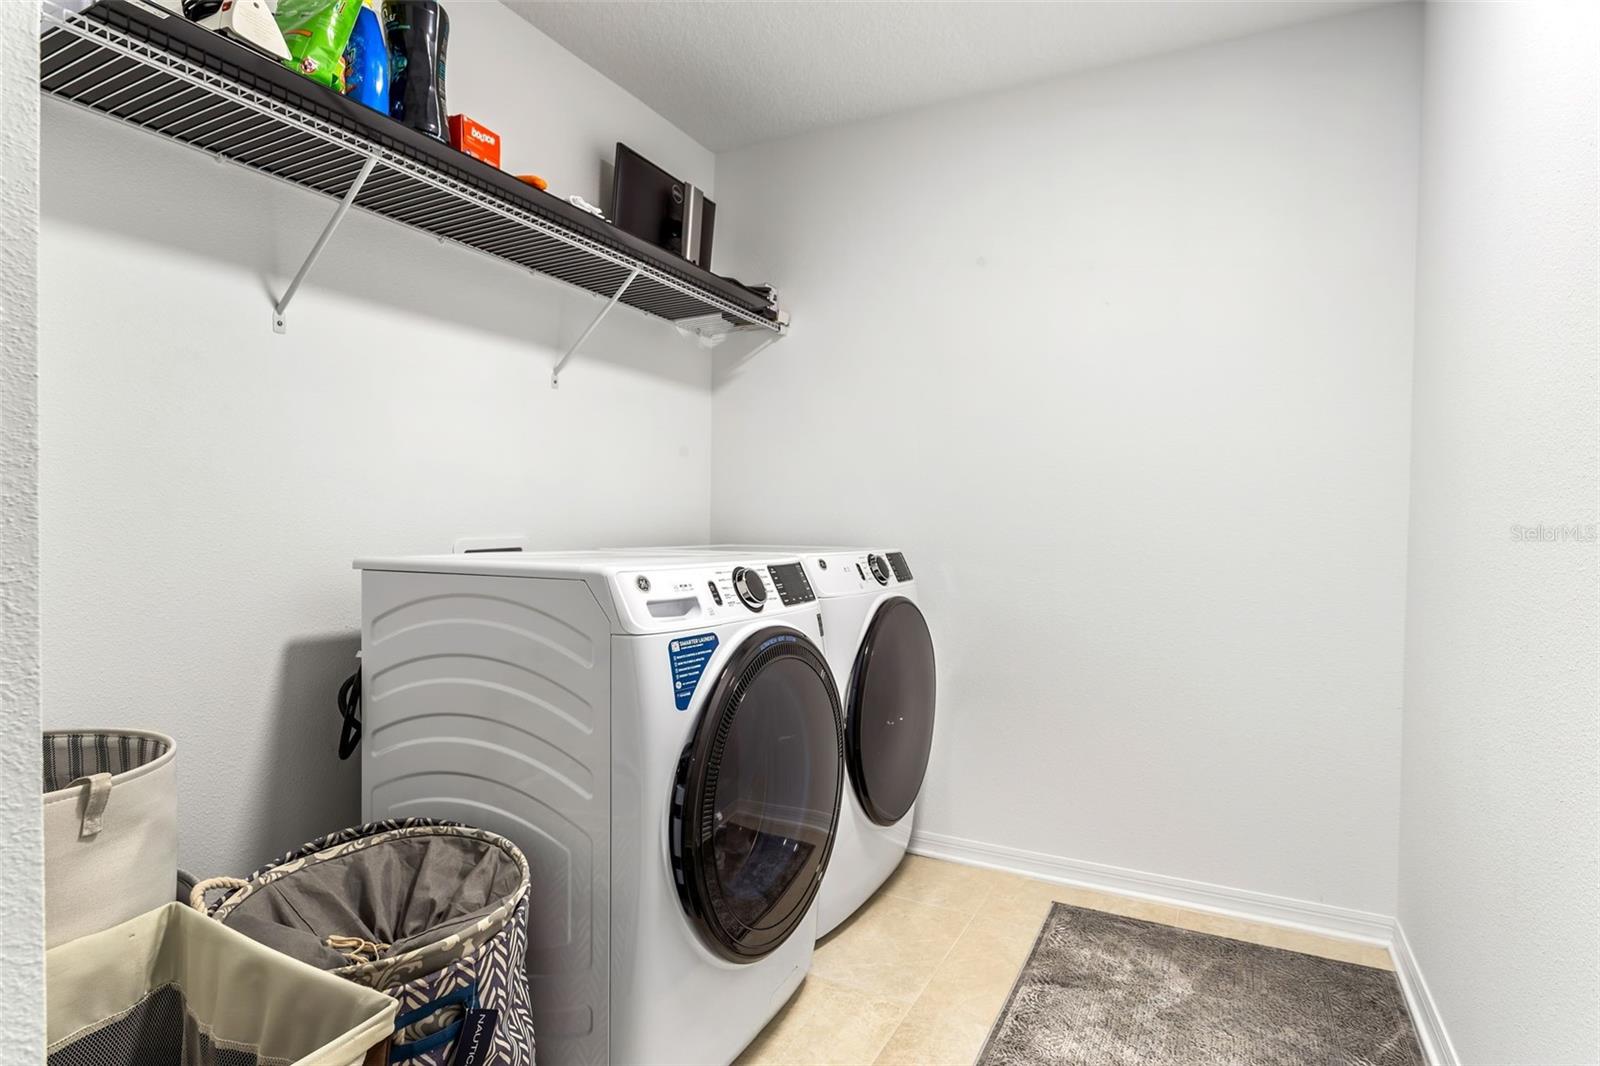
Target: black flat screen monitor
648,203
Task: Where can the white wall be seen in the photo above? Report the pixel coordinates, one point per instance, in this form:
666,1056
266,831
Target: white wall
22,850
206,482
1123,362
1500,839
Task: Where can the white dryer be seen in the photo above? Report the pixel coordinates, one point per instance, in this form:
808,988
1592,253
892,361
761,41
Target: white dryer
661,735
881,653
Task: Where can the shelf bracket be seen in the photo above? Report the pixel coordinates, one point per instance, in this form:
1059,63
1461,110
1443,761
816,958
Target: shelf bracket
279,324
766,342
555,373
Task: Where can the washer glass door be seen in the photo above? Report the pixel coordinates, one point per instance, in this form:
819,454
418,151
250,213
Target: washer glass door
757,795
889,728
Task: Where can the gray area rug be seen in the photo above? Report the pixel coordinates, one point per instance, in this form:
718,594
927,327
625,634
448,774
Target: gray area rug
1110,991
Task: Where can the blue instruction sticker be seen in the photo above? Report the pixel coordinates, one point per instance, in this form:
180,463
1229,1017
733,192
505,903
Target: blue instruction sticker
689,656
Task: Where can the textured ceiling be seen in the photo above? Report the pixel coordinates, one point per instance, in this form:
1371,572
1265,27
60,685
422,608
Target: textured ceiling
734,73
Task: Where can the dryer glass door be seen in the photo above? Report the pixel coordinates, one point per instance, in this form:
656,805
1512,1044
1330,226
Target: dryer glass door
757,795
889,727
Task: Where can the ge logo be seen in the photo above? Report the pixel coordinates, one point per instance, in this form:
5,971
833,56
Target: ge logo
643,583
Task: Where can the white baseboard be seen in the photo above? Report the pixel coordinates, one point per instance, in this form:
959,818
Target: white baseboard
1436,1046
1300,914
1306,915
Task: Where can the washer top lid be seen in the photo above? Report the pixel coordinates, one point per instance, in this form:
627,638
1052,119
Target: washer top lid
644,590
604,562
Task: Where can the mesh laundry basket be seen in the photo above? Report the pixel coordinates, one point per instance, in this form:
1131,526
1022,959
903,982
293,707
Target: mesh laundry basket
170,988
110,828
434,913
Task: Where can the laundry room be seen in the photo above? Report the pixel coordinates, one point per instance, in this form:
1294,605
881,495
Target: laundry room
800,532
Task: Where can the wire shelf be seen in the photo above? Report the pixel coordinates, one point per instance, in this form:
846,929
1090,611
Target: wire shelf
185,84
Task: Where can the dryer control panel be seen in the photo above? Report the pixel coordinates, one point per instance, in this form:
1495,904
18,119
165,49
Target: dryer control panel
846,573
672,597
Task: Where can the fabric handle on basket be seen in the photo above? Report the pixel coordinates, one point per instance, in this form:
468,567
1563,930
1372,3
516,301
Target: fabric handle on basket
94,808
465,997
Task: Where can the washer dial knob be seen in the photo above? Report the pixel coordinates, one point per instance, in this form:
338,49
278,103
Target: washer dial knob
879,567
747,583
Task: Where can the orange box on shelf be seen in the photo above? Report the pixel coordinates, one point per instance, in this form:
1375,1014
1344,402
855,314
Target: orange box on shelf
476,140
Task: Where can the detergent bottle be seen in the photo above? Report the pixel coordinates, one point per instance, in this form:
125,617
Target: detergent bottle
419,36
366,60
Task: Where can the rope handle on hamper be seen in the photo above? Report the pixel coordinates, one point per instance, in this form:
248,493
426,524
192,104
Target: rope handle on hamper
197,898
356,949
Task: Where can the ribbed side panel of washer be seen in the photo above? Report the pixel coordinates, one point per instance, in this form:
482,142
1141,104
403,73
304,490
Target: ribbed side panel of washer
486,701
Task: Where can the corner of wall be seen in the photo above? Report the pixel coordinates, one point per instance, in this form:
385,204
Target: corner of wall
22,1030
1497,853
1425,1017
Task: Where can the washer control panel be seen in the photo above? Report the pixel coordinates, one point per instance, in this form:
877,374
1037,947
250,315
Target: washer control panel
671,597
752,591
790,582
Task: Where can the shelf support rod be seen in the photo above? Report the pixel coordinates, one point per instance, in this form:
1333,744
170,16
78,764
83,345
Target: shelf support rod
279,325
555,373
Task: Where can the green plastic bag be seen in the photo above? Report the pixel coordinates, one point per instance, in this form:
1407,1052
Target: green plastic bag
316,32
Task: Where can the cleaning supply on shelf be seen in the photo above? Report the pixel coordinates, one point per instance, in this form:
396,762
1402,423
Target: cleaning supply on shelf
419,35
250,22
316,32
366,61
475,139
584,205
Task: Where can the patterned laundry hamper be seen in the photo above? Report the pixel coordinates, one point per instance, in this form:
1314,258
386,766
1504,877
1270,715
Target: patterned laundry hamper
433,913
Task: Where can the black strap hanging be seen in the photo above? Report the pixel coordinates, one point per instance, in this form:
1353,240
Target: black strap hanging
350,712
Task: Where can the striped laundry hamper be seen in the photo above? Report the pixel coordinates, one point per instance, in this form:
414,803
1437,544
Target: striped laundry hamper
110,828
433,913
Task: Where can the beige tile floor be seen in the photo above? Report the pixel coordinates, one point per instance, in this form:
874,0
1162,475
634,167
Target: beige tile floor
920,973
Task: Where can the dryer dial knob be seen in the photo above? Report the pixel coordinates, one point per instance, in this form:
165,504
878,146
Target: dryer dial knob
879,567
747,583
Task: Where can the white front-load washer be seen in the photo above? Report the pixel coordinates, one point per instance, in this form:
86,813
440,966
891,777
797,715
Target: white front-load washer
661,735
881,652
